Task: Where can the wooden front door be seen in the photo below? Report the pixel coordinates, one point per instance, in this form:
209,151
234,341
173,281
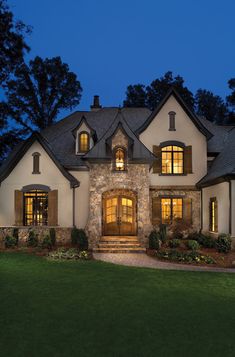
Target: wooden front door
119,215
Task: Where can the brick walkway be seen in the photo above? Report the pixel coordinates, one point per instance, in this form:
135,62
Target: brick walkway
143,260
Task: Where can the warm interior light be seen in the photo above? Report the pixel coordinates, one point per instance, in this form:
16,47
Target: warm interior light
119,160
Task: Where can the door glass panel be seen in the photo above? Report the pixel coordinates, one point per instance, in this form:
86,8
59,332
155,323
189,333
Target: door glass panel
127,210
111,210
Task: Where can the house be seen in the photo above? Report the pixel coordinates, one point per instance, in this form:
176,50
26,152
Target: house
121,172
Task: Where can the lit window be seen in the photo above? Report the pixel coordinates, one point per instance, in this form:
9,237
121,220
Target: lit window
172,209
120,158
35,208
172,160
213,215
84,142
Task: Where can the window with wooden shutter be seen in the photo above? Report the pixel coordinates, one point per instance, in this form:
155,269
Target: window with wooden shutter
156,210
53,208
188,167
187,207
157,162
19,208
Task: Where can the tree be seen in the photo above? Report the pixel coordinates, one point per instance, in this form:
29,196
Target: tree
39,91
150,96
12,50
135,96
211,106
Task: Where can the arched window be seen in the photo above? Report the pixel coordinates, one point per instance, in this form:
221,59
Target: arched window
36,159
172,160
84,141
119,159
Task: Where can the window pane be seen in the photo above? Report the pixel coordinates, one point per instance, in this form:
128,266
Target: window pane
84,142
177,208
35,208
166,162
178,163
119,160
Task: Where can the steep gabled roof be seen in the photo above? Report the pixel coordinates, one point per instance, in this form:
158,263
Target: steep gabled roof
20,151
139,151
223,166
192,116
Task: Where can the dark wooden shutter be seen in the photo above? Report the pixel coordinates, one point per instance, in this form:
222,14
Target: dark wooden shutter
53,208
19,207
187,210
188,167
156,210
157,165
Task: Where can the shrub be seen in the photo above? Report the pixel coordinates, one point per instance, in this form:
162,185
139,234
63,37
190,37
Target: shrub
224,243
192,244
10,241
163,234
178,235
193,236
185,257
79,238
154,240
174,243
47,243
64,254
32,239
15,234
206,241
52,234
84,255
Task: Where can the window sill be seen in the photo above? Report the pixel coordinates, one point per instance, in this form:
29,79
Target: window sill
173,174
36,173
119,171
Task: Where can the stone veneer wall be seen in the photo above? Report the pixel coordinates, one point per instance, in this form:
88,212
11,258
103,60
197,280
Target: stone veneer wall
195,195
63,235
103,179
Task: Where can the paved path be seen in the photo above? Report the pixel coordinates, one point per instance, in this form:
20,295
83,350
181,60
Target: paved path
143,260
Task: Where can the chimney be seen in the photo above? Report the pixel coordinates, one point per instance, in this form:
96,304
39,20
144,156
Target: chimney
96,103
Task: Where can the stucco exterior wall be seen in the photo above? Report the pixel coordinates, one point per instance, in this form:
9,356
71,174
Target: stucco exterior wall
233,208
186,132
22,176
82,198
221,192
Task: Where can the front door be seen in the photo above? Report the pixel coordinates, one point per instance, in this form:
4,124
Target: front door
119,216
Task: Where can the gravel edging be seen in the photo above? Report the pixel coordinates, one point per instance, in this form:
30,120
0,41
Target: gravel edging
145,261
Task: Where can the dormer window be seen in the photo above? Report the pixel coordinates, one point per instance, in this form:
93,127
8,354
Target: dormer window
84,141
119,159
171,121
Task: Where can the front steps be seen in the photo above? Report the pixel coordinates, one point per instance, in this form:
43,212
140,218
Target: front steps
119,244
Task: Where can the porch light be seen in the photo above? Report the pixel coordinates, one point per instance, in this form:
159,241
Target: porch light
120,159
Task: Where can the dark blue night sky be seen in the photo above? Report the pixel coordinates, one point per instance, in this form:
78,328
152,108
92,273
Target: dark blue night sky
110,44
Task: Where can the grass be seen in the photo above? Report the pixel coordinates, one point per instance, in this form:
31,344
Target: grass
97,309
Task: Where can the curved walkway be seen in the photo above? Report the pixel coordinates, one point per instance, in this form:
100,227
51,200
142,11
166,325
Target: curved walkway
145,261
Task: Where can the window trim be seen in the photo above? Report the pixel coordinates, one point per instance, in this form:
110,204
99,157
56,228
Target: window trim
171,198
79,142
115,149
173,143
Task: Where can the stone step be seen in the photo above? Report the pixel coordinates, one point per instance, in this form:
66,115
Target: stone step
119,250
117,242
119,245
118,238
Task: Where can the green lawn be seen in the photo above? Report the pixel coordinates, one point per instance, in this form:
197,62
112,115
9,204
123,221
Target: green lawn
98,309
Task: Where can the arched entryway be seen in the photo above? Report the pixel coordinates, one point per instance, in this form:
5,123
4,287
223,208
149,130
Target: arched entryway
119,213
